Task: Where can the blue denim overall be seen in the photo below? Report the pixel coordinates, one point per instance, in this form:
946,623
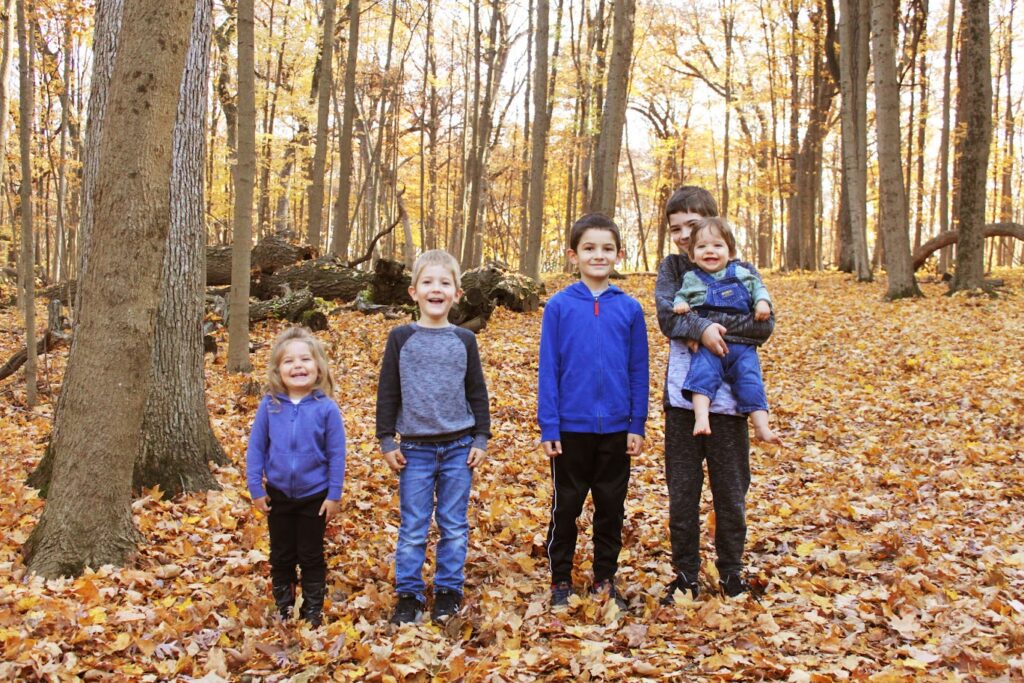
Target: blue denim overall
740,367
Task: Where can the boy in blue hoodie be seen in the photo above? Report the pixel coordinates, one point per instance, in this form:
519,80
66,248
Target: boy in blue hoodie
591,404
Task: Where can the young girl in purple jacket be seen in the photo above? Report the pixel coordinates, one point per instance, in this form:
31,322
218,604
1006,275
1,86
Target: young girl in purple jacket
295,465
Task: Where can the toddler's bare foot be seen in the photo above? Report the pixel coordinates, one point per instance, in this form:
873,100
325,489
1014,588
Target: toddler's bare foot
701,426
765,433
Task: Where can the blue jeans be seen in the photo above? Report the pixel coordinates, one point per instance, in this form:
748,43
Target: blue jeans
433,471
741,368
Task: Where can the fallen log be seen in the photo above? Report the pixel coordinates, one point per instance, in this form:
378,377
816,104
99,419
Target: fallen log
326,278
271,254
287,307
950,237
49,342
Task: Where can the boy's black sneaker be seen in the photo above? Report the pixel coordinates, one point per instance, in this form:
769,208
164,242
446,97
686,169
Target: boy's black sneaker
560,593
607,587
681,583
408,610
733,585
446,603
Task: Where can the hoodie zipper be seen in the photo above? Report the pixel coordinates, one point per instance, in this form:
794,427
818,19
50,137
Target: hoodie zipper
600,355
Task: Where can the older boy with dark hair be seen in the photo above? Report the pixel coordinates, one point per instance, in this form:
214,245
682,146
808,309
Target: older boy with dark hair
591,404
727,448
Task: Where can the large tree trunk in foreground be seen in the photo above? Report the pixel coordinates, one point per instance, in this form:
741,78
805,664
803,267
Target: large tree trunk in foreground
974,116
177,437
87,521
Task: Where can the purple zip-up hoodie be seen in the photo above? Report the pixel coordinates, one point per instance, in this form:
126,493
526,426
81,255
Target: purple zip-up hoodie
298,447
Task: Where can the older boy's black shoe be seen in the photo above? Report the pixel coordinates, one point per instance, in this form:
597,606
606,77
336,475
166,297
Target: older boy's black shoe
284,599
560,593
607,587
408,610
446,603
733,585
681,583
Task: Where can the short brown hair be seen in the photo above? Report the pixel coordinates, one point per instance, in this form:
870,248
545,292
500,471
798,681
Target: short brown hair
596,221
691,199
715,225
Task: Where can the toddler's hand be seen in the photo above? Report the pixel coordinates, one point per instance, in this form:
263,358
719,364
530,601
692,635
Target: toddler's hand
395,460
262,504
552,449
762,310
330,509
681,307
476,456
634,444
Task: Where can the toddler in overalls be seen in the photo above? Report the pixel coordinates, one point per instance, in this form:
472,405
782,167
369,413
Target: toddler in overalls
719,284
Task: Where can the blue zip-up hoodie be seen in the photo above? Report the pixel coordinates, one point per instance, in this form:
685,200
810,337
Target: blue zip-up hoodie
299,447
593,374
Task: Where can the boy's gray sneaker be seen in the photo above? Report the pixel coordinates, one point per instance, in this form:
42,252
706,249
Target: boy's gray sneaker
408,610
446,603
683,582
733,585
607,587
560,593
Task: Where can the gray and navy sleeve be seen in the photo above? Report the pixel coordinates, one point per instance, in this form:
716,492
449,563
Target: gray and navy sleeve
476,390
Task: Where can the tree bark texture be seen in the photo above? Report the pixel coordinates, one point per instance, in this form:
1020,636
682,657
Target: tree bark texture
177,437
974,118
325,86
6,44
26,264
893,224
87,521
342,228
245,176
613,116
853,67
538,145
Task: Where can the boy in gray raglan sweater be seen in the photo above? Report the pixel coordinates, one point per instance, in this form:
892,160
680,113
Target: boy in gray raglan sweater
432,393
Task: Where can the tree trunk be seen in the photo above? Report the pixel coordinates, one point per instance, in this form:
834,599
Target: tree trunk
539,139
947,95
613,116
177,437
892,197
6,44
974,117
245,175
325,86
87,521
342,228
25,262
853,67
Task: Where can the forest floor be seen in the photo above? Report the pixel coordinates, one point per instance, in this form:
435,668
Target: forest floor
885,539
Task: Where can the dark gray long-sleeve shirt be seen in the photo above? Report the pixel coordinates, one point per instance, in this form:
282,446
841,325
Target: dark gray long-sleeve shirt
431,387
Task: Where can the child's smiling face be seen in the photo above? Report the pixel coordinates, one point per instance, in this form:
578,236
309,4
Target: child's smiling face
596,255
435,292
711,250
298,368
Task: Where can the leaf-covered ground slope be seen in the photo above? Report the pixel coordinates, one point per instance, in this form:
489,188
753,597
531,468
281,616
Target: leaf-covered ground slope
886,536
